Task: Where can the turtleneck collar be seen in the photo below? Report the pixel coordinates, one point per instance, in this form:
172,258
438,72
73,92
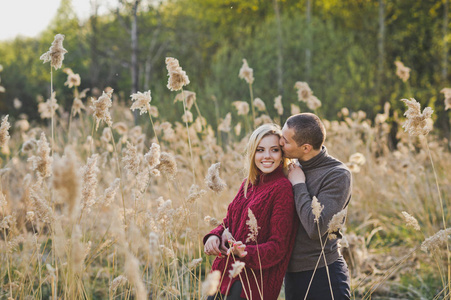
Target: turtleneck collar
315,161
264,178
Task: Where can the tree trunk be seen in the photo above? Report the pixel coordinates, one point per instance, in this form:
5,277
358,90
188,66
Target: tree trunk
134,37
279,50
445,43
380,48
94,67
308,51
134,65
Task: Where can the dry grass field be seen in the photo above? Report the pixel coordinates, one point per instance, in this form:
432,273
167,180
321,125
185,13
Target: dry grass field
93,206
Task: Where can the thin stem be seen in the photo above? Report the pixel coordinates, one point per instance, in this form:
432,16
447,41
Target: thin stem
241,279
151,122
7,258
189,139
53,203
228,287
39,260
71,112
120,174
389,272
313,275
200,115
252,105
443,211
325,262
261,271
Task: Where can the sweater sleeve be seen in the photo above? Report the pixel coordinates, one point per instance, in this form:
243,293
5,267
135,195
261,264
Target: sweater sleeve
282,223
334,195
226,221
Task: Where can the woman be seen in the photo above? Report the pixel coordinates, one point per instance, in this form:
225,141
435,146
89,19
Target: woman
269,195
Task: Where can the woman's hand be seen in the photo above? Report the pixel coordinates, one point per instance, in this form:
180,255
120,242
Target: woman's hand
238,249
295,174
211,246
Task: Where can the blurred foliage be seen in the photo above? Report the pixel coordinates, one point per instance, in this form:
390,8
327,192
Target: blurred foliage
211,37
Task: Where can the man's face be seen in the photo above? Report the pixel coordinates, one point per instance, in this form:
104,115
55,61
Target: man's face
289,146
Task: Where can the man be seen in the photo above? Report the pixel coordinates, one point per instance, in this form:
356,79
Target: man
329,180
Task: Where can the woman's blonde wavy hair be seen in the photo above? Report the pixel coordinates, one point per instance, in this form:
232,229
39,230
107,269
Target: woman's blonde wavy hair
251,169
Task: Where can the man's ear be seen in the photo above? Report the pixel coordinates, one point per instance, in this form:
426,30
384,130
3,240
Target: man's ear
306,148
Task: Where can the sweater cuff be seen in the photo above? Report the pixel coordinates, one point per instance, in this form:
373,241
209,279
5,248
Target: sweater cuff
209,235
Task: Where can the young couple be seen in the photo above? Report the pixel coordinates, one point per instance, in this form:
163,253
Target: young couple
288,244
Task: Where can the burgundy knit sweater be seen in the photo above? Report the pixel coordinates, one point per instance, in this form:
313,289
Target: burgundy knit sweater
271,201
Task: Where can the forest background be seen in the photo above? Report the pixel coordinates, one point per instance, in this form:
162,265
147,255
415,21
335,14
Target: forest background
344,50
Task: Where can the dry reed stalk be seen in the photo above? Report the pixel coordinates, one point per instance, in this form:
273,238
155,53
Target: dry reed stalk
252,236
237,267
419,124
213,181
388,273
247,74
5,235
101,109
142,102
189,138
66,181
42,162
134,275
317,208
4,134
115,284
89,184
211,283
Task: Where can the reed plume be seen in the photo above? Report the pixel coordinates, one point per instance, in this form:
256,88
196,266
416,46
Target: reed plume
101,108
56,52
177,77
42,161
4,134
213,181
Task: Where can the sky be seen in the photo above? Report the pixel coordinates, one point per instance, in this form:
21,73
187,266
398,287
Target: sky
30,17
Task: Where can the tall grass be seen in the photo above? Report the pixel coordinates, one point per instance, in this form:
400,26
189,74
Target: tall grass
109,215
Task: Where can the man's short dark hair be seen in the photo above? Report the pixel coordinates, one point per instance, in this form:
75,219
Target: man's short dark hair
308,129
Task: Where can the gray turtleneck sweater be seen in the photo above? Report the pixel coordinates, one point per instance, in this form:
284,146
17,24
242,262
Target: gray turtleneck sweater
330,181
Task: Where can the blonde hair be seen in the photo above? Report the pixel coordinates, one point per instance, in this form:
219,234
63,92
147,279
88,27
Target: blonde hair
251,169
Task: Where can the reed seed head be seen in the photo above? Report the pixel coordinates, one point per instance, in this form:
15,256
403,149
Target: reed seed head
177,77
417,123
317,208
246,72
4,134
402,71
211,283
213,181
253,227
141,101
56,52
278,105
101,108
410,221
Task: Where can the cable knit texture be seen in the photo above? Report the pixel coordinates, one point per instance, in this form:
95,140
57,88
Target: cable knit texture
330,181
271,201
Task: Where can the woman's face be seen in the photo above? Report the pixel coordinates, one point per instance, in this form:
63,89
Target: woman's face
268,154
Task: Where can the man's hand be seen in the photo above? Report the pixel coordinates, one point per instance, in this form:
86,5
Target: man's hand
295,174
211,247
238,249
